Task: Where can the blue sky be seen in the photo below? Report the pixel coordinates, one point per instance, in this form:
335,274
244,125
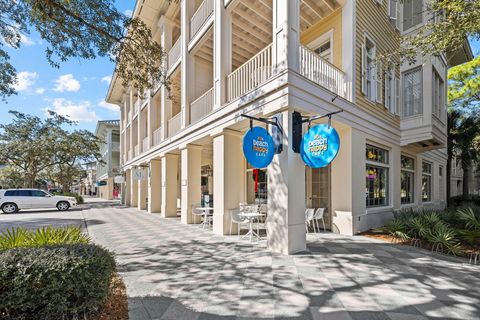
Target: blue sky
76,89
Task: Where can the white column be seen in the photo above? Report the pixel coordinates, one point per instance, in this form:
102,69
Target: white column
191,181
222,52
155,186
286,34
188,66
166,29
131,122
128,184
133,191
228,179
142,194
286,197
169,185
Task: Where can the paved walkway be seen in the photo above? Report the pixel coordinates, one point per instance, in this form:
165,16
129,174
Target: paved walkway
173,271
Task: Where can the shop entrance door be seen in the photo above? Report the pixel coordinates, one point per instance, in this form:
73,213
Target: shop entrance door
257,186
317,193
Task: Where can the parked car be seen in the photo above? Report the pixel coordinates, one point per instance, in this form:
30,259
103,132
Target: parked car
13,200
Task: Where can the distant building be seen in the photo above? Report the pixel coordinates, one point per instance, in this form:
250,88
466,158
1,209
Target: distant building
108,168
88,185
456,179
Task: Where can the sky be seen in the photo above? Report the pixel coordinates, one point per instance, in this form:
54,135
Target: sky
77,89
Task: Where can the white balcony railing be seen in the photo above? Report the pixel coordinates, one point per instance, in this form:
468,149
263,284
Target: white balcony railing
201,106
322,72
157,136
174,124
137,150
204,11
174,53
251,74
145,144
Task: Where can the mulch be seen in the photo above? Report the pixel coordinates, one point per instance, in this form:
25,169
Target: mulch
116,306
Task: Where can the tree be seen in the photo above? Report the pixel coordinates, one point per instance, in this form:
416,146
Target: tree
85,29
10,178
450,23
464,84
32,145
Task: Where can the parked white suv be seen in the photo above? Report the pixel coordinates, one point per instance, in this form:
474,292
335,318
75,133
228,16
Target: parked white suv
12,200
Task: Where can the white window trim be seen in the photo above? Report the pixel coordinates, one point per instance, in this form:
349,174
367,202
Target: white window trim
322,40
389,205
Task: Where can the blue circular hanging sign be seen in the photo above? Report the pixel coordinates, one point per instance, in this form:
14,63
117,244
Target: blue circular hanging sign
320,146
258,147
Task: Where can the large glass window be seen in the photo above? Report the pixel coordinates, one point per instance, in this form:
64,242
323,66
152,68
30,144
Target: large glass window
407,177
376,176
426,181
412,93
412,13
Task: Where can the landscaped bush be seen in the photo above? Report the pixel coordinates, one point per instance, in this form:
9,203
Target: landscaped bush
471,200
69,281
450,231
78,197
21,237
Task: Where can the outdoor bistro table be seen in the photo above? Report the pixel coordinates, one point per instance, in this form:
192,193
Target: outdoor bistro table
250,216
206,213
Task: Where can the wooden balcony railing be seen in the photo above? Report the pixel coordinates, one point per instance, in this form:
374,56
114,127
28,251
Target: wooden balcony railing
174,54
322,72
174,124
250,75
157,136
204,11
201,106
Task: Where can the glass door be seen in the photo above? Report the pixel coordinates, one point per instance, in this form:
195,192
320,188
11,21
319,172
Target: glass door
257,186
317,189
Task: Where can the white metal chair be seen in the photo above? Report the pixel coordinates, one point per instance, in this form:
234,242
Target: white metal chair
197,212
235,217
318,215
309,213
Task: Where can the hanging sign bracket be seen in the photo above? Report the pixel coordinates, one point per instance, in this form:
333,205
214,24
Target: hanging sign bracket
271,121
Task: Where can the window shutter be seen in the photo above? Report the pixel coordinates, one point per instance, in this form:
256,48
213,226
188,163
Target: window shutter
386,88
378,78
399,21
397,96
364,69
392,9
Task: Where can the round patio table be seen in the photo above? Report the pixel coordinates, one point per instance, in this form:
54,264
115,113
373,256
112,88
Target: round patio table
206,214
251,216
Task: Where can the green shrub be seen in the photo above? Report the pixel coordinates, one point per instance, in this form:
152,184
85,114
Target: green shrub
443,237
397,228
54,282
21,237
78,197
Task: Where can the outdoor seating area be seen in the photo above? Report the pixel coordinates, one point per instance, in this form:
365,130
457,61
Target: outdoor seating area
312,217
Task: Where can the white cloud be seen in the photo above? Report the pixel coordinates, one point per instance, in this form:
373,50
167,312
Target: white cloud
128,13
25,80
108,106
78,111
106,79
67,82
25,40
39,90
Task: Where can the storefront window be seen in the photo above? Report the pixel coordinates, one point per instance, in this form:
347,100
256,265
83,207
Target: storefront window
407,177
257,186
376,176
426,181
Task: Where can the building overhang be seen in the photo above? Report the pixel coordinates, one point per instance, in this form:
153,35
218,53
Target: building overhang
460,55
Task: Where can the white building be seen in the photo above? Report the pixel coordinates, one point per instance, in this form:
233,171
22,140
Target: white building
229,58
109,132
